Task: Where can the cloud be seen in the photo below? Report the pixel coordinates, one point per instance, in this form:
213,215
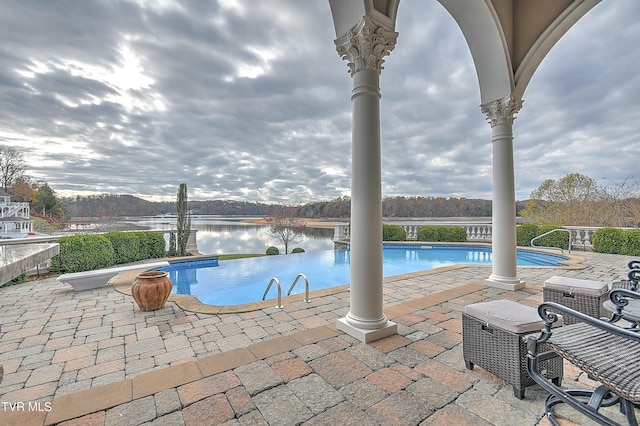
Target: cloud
249,100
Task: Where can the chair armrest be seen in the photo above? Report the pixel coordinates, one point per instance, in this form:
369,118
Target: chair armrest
634,276
544,310
634,264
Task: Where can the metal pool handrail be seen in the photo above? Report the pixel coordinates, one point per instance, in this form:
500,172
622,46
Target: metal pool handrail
274,280
306,287
534,239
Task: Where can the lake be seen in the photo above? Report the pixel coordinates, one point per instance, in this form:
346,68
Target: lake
218,235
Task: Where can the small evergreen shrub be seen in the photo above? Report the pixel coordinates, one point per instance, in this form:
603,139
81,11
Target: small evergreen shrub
272,251
525,233
82,253
442,234
297,250
393,233
556,239
609,240
152,244
428,233
632,242
22,278
173,250
458,234
126,246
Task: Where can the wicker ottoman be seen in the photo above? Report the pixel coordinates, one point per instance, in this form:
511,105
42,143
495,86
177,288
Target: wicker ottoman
584,296
494,338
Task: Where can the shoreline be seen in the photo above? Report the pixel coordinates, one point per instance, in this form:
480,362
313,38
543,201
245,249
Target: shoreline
309,222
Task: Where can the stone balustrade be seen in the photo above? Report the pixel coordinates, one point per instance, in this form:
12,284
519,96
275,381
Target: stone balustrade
476,232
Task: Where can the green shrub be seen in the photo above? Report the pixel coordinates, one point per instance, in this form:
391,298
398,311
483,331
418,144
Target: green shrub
556,239
442,233
272,251
22,278
393,233
82,253
152,244
126,246
297,250
458,234
609,240
525,233
173,251
632,242
428,233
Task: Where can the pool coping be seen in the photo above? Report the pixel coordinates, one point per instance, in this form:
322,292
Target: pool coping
122,283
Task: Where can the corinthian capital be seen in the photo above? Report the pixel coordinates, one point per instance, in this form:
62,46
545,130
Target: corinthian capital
502,111
364,46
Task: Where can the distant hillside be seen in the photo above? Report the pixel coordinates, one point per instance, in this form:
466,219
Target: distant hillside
111,205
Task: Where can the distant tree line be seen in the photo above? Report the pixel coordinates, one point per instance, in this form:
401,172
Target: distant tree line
405,207
111,205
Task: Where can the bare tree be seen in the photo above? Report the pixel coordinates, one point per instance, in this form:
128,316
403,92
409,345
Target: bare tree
285,225
12,167
577,200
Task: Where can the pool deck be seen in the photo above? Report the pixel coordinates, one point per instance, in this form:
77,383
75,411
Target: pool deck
93,358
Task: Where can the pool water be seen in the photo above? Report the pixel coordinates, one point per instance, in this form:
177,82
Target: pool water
240,281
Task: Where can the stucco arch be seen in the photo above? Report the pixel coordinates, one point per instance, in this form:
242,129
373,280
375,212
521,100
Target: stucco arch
480,26
508,39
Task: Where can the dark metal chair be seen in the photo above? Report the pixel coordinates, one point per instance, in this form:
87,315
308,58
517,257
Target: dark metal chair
610,354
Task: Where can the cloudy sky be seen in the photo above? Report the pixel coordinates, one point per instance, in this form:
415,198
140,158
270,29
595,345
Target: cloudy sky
248,100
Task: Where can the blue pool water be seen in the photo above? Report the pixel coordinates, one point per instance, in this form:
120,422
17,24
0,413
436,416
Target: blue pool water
241,281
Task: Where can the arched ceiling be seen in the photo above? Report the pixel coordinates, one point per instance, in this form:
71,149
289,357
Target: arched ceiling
508,39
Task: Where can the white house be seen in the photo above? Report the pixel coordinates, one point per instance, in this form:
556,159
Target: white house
15,218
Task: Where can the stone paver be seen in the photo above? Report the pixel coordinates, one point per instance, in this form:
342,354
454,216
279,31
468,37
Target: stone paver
93,357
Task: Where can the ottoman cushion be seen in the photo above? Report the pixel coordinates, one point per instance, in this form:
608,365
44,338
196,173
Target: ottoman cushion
507,315
574,285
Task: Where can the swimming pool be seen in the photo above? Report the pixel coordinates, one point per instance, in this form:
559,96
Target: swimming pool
241,281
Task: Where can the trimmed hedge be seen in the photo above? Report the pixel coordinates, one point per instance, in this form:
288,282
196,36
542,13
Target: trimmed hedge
455,234
525,233
609,240
393,233
297,250
93,251
272,251
633,242
82,253
126,247
152,244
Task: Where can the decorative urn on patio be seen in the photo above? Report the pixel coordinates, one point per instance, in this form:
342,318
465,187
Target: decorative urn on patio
151,290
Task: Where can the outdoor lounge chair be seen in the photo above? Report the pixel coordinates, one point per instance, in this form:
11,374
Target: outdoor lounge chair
610,354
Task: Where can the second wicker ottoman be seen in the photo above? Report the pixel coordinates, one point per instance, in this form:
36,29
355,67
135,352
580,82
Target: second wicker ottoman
493,337
586,296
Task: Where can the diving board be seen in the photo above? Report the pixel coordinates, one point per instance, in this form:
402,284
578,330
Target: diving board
97,278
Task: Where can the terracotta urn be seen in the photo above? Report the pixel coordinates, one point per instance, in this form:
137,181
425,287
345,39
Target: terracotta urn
151,290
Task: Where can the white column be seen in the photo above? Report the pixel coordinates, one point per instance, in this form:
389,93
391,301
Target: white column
500,115
364,47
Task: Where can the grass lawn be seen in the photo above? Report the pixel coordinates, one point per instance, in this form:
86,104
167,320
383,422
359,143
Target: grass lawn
237,256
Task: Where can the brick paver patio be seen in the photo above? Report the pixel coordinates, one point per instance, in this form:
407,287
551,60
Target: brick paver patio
93,358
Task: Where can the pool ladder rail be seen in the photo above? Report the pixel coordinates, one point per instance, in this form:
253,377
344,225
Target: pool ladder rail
279,287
